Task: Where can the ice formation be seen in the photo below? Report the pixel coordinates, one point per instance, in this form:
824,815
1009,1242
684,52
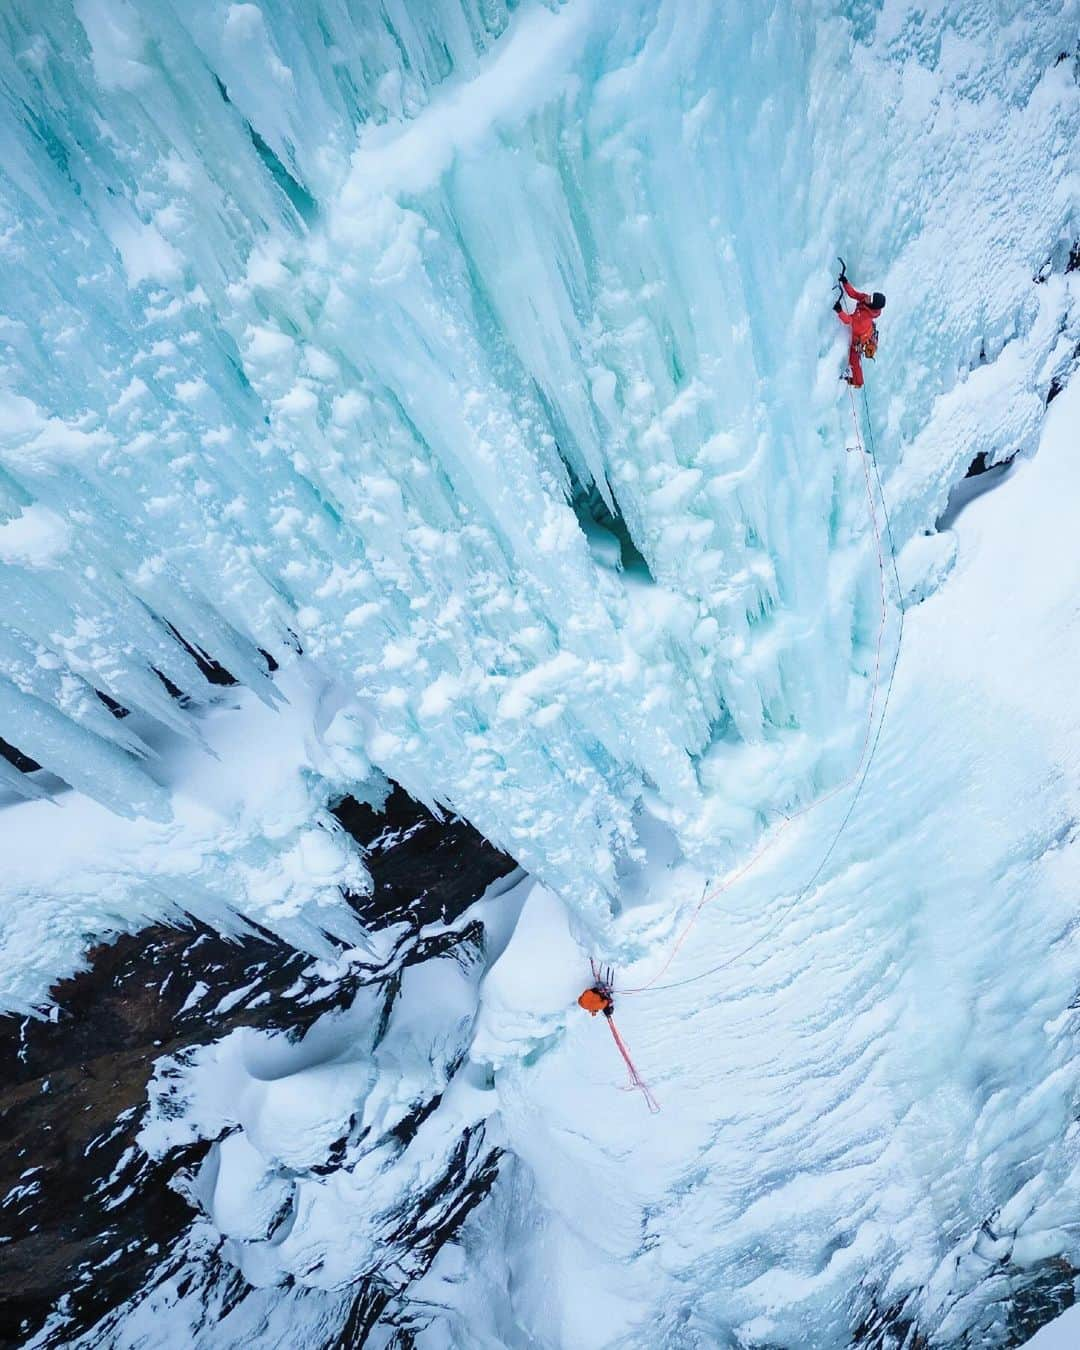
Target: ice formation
473,362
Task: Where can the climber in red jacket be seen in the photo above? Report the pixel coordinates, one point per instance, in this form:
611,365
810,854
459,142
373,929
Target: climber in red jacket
864,334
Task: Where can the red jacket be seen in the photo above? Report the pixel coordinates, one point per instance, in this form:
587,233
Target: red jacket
862,321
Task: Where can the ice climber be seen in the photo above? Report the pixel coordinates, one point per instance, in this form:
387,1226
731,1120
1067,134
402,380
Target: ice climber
596,1000
600,996
864,334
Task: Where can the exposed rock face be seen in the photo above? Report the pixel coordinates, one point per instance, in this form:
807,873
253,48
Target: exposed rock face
87,1219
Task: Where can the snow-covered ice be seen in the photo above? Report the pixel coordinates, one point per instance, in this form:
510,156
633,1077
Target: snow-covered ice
873,1110
458,375
247,838
290,380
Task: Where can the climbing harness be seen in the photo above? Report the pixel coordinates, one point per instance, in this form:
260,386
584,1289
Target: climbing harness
859,776
867,346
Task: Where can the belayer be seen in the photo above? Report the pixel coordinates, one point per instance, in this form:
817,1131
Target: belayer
600,996
864,334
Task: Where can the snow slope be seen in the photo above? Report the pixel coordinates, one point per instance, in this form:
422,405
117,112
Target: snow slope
1061,1334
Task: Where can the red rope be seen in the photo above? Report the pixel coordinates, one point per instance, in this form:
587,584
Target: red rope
636,1083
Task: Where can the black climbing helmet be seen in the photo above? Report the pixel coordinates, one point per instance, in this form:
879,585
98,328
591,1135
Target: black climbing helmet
877,301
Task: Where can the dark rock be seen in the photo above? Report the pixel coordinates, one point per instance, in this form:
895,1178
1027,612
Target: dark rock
83,1212
425,870
72,1102
423,1229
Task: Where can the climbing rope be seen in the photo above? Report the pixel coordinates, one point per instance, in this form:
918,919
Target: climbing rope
600,998
884,506
862,769
636,1083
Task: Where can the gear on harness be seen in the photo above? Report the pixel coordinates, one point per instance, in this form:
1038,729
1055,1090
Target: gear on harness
867,346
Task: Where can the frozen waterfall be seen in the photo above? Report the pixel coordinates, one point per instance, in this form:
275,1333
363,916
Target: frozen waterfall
446,392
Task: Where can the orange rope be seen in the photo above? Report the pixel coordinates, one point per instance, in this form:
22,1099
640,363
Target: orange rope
636,1083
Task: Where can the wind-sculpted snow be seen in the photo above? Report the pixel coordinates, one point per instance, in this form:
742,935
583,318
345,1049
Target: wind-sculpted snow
462,375
341,1156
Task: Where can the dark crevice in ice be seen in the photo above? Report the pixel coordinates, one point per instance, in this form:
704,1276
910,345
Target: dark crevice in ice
986,472
301,200
173,690
980,464
606,530
212,671
16,758
981,476
117,709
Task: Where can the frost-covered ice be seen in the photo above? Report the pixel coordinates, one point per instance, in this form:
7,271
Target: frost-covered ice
340,308
474,361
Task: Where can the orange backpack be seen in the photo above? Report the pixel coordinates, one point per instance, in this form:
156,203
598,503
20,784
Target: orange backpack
594,1001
